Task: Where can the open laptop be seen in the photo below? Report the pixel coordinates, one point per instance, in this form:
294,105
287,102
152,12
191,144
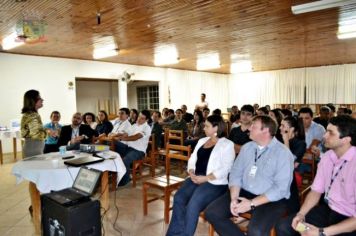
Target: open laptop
85,160
83,187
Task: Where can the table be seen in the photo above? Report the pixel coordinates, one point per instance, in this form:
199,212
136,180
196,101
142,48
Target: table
9,134
47,172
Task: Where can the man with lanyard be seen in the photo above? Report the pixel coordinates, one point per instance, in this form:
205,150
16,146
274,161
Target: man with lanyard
137,142
336,179
259,183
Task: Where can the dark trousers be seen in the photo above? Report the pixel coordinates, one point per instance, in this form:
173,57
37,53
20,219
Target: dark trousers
319,216
189,201
50,148
128,155
263,218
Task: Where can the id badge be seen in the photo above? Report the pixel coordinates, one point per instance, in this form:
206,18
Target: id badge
326,198
253,171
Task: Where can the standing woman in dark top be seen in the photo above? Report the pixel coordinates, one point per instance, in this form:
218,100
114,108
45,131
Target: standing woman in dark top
293,136
208,168
104,126
31,124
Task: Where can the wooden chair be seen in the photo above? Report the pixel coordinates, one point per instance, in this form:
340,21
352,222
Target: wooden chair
166,183
169,136
310,159
149,160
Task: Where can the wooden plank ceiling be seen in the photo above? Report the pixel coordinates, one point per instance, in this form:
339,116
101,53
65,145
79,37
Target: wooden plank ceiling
263,31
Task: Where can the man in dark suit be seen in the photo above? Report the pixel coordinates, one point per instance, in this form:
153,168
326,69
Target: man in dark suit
75,134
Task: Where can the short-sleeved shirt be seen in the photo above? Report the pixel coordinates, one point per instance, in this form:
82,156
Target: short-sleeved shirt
315,131
51,126
141,143
342,194
238,136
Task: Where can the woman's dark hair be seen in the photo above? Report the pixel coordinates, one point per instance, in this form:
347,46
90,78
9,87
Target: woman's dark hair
147,114
286,112
217,112
278,114
88,114
346,125
106,119
297,124
135,111
29,101
200,115
217,121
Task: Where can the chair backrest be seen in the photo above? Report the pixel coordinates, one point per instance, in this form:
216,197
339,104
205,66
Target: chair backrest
178,152
175,135
152,146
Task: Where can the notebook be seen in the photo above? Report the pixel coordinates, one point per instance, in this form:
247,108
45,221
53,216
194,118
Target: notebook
83,187
85,160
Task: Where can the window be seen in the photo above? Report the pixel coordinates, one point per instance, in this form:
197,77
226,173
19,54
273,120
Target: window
148,98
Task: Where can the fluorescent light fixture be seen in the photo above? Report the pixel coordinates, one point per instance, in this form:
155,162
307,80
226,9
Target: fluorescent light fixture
208,61
166,55
241,66
9,42
105,47
347,25
320,5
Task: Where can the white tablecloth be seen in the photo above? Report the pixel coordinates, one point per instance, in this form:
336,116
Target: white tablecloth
49,172
10,134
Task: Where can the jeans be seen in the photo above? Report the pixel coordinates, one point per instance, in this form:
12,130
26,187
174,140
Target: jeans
188,202
263,218
319,216
128,155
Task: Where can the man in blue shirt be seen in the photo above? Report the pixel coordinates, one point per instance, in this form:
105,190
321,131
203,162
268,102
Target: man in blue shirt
259,183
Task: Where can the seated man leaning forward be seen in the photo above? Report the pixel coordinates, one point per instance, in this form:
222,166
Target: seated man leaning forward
75,134
336,179
137,142
259,183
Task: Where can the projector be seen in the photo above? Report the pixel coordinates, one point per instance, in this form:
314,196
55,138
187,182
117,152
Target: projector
93,148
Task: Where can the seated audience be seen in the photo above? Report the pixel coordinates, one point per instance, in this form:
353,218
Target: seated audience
178,123
286,112
277,116
334,184
240,134
170,117
206,112
234,112
236,123
75,134
121,124
332,110
156,128
198,130
313,131
137,142
324,116
208,169
259,183
53,130
342,111
262,111
89,119
133,116
164,113
217,112
104,126
256,106
293,137
188,117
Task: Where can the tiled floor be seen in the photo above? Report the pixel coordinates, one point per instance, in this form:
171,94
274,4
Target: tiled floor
15,218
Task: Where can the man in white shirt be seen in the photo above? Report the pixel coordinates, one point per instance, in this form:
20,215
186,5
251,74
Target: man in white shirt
203,104
121,124
137,142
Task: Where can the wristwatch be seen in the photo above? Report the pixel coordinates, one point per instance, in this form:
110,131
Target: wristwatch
252,205
321,232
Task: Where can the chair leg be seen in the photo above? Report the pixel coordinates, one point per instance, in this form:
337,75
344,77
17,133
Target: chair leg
211,230
167,195
144,198
114,180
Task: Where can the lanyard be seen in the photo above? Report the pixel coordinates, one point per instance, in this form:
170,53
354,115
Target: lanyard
259,156
333,177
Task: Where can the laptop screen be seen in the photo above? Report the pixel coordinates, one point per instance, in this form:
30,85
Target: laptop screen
86,180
